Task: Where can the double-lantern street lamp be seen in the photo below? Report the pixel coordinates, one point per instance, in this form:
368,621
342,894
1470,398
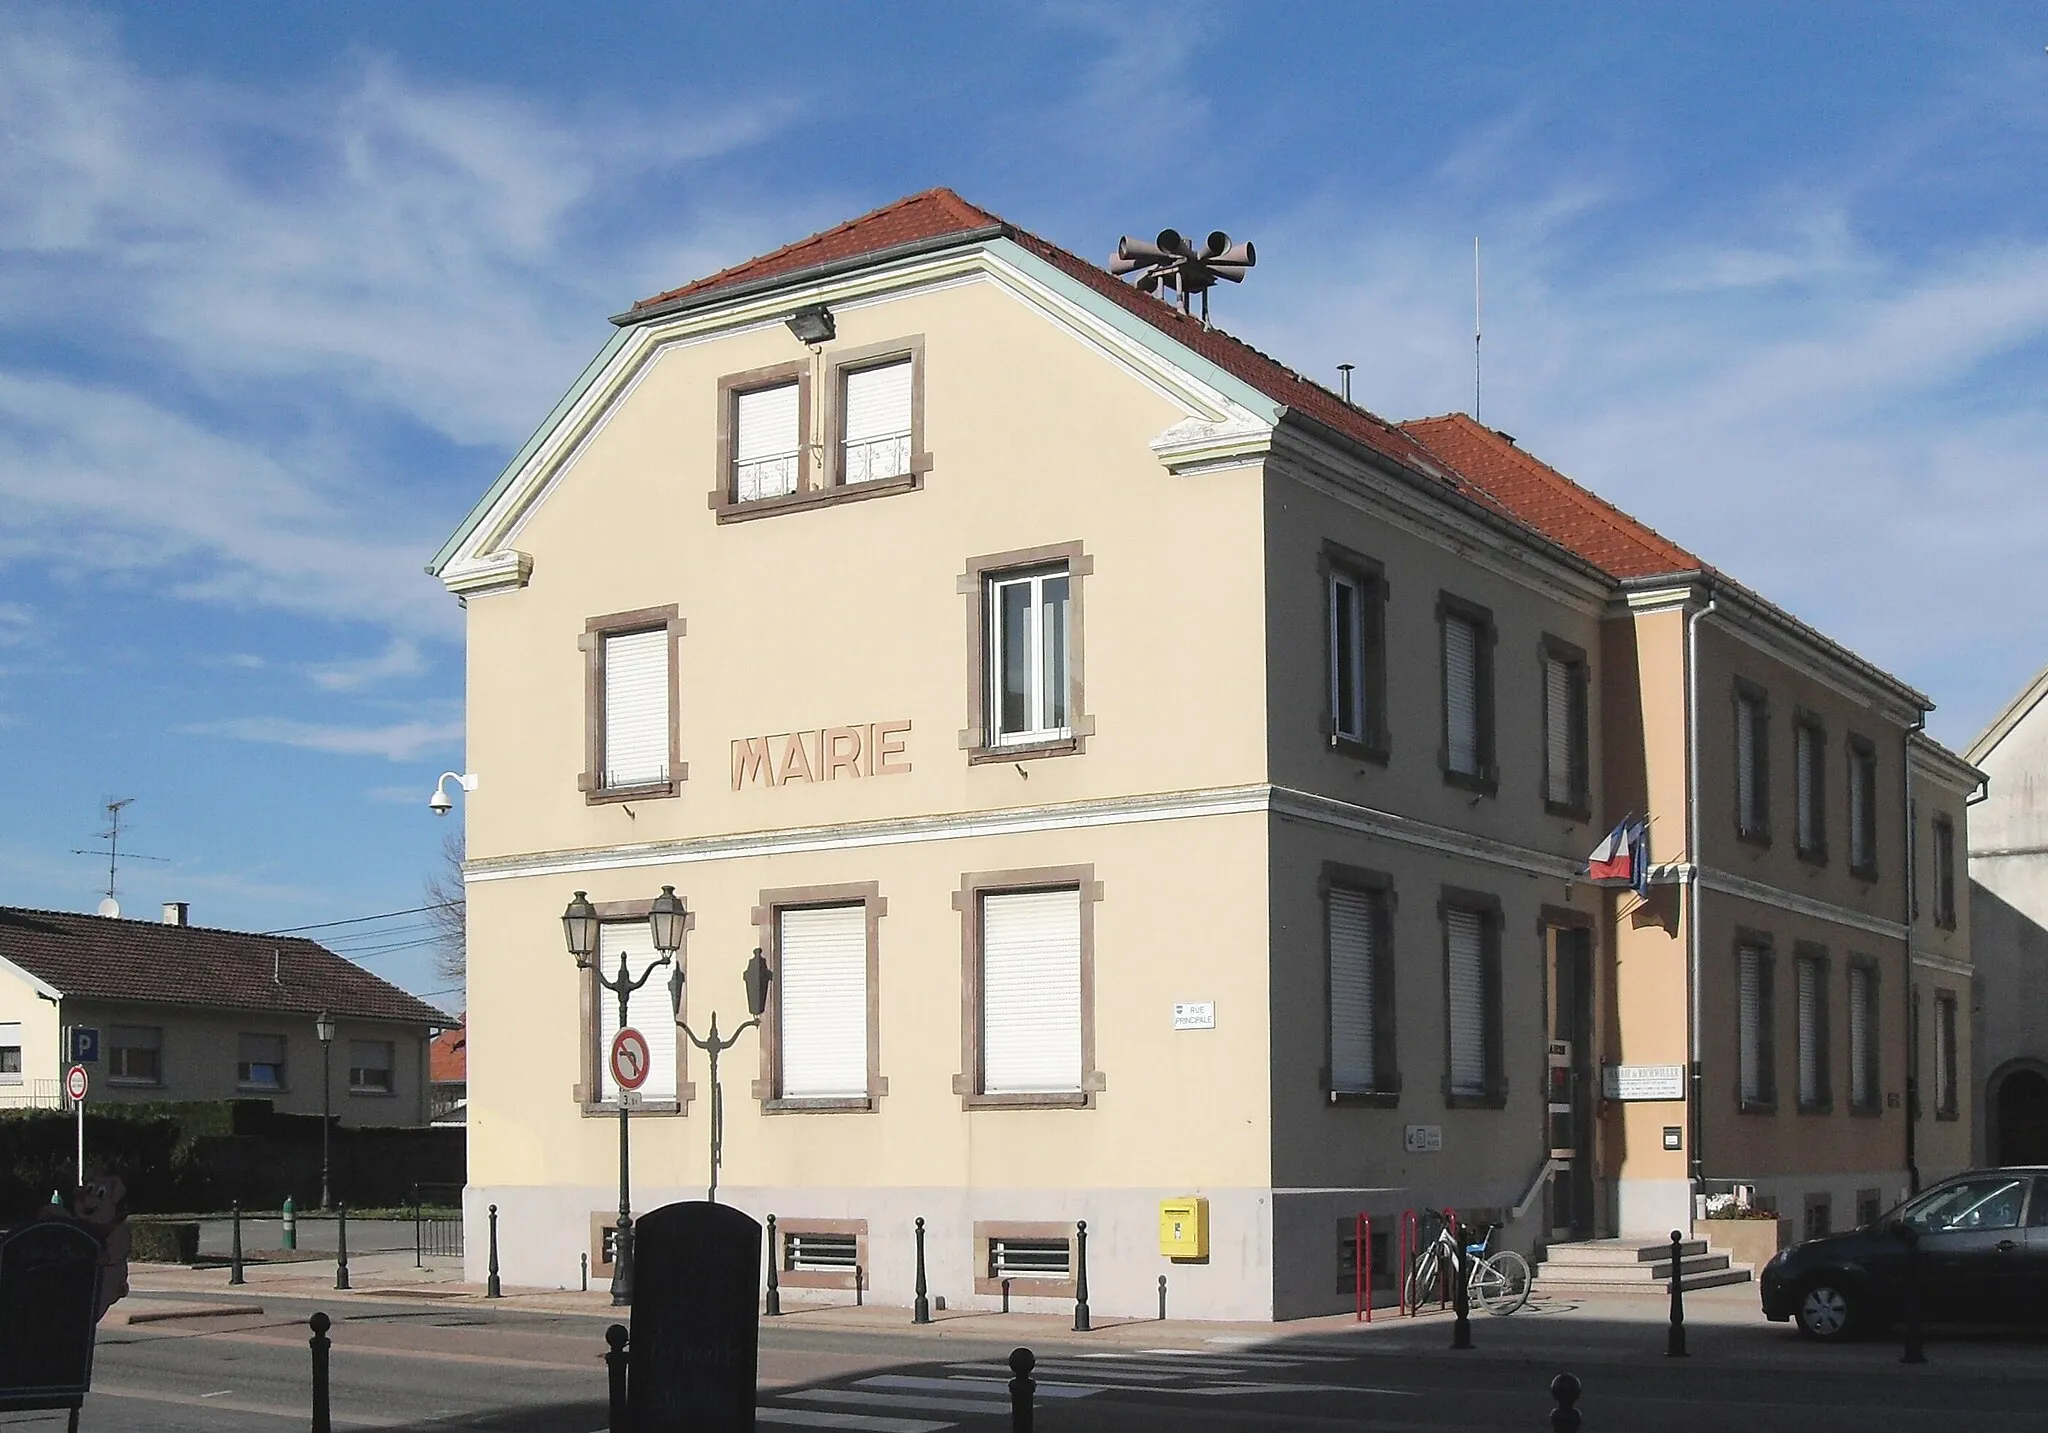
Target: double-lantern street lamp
666,918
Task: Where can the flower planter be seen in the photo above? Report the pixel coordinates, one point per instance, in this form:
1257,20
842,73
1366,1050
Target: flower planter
1745,1241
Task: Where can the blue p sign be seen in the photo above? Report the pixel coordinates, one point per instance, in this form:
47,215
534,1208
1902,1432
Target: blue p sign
85,1045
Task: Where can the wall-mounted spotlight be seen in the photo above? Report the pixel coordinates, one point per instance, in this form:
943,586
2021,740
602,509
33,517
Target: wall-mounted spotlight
813,324
440,802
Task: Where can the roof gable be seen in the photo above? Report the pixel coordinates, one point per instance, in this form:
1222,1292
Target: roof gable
148,963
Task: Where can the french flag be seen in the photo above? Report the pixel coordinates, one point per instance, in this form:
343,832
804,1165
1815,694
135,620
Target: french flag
1623,859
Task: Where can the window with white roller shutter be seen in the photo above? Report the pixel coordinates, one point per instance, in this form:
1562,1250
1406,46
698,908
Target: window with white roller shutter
1031,992
1862,808
636,709
1565,739
1465,954
766,442
649,1011
1461,695
822,992
1809,755
1946,1065
1810,976
1862,1037
875,410
1753,1037
1355,925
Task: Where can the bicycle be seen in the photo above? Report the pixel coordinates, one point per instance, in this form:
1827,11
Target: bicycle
1497,1282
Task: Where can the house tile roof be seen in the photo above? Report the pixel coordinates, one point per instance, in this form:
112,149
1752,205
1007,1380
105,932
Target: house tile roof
148,963
1543,498
448,1057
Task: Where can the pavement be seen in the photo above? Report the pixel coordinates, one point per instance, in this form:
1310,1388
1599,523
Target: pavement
417,1348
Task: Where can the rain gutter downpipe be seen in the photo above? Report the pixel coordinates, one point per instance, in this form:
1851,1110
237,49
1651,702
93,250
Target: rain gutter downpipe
1696,1172
1912,1002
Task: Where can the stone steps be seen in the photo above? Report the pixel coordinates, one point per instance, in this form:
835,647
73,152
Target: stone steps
1636,1265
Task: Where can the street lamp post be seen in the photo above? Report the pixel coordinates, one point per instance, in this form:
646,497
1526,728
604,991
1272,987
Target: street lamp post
324,1028
713,1045
580,923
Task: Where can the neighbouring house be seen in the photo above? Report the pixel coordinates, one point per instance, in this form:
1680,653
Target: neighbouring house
1153,778
182,1012
2008,900
448,1075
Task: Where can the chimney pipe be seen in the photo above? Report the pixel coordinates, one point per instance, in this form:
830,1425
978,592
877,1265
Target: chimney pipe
177,913
1344,380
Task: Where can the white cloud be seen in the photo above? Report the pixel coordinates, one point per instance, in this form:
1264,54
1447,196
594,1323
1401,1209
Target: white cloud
16,623
398,741
267,283
399,659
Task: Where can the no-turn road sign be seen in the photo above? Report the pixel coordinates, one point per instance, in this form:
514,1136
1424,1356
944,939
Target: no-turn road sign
629,1059
76,1082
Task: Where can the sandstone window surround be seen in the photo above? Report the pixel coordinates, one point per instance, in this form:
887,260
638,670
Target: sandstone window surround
1752,763
1027,988
1810,788
650,1011
1467,638
1862,794
1755,1021
1036,666
1361,1065
774,457
1355,616
1567,685
632,736
821,1046
1475,1075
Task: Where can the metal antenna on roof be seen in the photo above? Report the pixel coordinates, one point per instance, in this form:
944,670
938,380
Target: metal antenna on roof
111,906
1477,293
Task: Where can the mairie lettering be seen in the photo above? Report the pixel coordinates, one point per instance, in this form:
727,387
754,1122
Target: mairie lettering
821,754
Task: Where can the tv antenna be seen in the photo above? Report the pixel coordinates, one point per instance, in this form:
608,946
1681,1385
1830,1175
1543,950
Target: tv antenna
110,906
1173,262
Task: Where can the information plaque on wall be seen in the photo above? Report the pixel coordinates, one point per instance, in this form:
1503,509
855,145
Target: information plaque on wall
1643,1082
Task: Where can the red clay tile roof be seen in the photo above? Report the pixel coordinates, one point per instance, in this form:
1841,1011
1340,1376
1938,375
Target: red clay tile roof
1545,499
938,212
148,963
448,1057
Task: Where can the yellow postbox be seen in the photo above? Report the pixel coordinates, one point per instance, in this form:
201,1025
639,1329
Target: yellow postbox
1184,1227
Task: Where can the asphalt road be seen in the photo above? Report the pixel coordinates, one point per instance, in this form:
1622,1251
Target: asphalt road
464,1365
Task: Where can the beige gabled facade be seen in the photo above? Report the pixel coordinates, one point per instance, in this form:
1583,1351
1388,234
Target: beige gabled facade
1267,887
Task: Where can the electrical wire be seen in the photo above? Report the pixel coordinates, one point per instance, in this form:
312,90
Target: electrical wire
359,920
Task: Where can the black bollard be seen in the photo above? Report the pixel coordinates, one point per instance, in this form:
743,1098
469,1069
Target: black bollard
1565,1417
320,1323
1461,1294
920,1307
235,1258
585,1257
773,1303
1006,1296
1162,1298
419,1248
492,1288
1081,1277
341,1246
615,1369
1915,1350
1021,1389
1674,1342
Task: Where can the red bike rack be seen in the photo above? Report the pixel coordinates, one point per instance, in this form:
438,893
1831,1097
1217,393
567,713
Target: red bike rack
1361,1259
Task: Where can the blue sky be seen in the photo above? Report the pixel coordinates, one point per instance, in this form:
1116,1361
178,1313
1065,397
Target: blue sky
283,286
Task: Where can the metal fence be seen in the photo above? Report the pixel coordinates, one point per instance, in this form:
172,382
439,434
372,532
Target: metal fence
435,1234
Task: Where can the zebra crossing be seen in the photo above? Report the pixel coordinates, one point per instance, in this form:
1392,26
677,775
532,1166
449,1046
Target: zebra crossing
979,1389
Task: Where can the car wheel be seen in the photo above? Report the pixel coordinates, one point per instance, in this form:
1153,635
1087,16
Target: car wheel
1826,1312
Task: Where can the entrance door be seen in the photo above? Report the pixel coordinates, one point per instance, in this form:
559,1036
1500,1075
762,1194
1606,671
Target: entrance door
2022,1129
1569,1097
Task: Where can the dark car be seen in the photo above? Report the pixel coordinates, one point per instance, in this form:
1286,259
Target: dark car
1982,1257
